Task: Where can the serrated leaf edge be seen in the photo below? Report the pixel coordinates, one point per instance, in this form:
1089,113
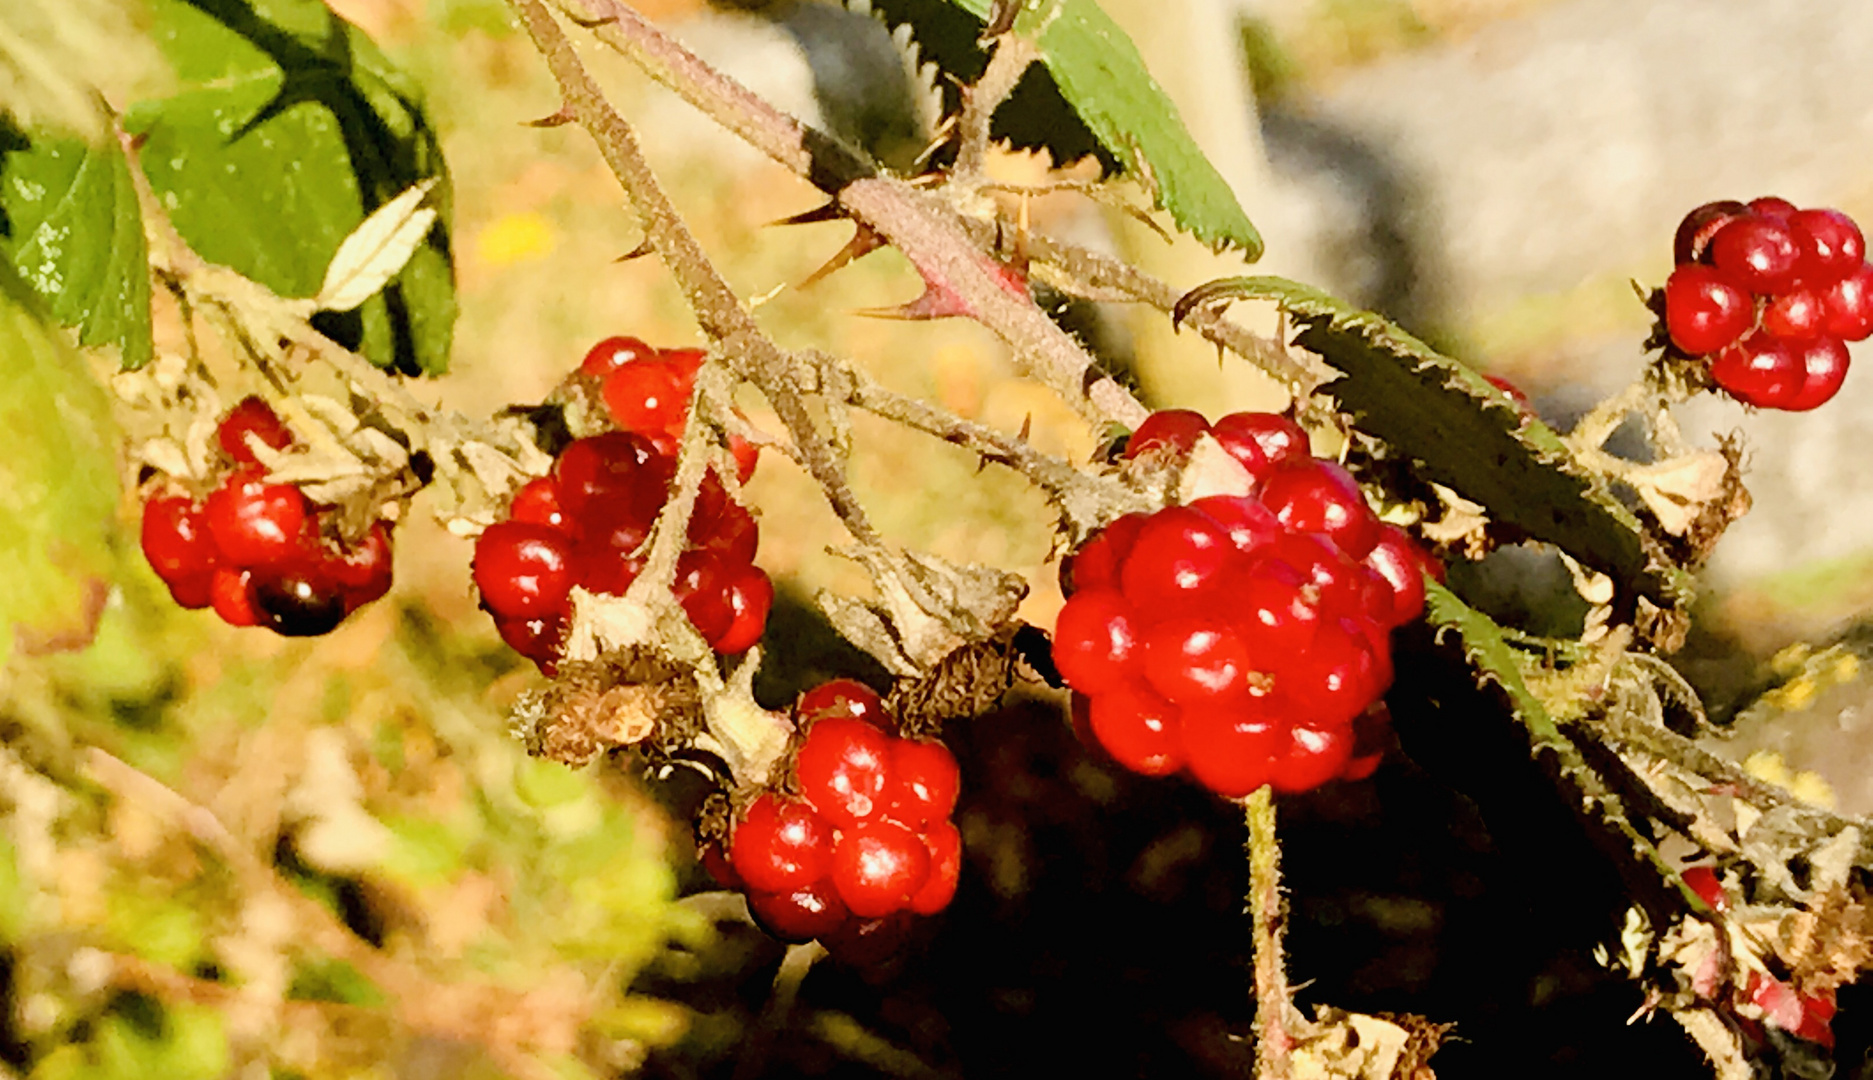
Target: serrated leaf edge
1316,308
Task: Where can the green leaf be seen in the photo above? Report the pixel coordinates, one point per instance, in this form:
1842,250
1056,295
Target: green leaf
424,852
58,482
292,130
72,230
164,929
608,895
1035,116
1466,434
1489,653
1104,81
184,1042
1102,76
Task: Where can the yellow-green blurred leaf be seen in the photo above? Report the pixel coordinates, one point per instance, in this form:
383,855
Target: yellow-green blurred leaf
187,1043
424,852
58,483
57,55
12,894
333,980
158,928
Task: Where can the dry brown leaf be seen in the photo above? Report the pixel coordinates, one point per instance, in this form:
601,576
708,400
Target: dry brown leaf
1679,490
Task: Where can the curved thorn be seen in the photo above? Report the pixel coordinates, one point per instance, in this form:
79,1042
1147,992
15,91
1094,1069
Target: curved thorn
563,116
829,212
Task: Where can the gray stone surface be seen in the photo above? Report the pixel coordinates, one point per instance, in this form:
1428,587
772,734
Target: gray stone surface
1563,145
1555,145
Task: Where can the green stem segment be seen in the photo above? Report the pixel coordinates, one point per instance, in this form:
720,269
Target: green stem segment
1273,1039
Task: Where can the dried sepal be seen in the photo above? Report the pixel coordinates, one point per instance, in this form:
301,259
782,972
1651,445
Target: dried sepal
969,681
1211,470
1340,1045
1678,490
1462,525
926,607
619,699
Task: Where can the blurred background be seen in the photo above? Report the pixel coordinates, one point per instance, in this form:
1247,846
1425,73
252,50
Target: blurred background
1494,174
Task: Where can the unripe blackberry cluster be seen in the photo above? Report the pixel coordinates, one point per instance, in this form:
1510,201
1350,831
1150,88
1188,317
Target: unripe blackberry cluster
868,841
258,552
587,522
1770,294
1241,638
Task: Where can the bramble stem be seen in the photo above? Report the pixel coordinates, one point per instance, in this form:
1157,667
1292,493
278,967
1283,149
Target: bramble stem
826,162
1087,501
721,314
830,165
1267,921
937,239
1009,61
786,379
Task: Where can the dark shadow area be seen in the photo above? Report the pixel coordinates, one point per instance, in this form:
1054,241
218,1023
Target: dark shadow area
801,650
1099,928
15,1051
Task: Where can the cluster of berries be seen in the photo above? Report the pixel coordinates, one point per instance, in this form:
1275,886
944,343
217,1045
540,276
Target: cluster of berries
1243,638
586,522
1771,294
255,551
866,843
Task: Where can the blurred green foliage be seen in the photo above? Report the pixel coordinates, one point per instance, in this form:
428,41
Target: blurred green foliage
58,482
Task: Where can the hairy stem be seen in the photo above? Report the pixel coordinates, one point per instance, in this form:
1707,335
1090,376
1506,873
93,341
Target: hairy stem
780,376
1267,921
1086,273
1007,64
824,160
1088,501
936,239
931,234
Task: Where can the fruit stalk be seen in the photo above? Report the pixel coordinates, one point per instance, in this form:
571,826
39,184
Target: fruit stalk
1273,1040
1089,500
